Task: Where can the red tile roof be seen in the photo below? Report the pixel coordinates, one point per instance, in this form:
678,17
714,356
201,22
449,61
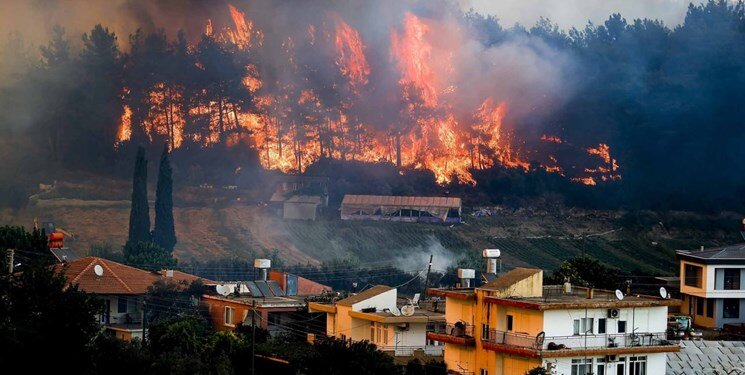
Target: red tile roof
117,278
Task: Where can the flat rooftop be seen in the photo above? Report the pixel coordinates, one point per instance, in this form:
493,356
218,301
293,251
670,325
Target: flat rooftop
554,298
263,302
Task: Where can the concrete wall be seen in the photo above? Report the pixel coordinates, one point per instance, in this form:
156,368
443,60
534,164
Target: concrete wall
382,301
655,364
134,308
644,319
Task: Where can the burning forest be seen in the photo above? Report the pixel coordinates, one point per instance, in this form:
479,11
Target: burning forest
416,86
333,94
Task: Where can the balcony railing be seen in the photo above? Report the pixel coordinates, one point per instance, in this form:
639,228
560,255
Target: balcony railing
577,342
456,333
407,351
454,329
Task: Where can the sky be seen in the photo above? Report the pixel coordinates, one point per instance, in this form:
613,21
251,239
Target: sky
576,13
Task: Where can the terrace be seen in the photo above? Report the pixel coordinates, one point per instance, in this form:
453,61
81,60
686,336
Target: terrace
577,345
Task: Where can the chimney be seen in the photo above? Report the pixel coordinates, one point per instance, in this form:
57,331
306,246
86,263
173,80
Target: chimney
493,262
466,275
263,265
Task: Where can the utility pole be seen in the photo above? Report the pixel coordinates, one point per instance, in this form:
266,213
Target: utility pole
144,322
11,255
253,337
426,280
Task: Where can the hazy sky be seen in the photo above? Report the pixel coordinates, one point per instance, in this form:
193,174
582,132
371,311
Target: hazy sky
569,13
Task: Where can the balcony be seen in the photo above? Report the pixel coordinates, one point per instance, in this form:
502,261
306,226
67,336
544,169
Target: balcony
408,351
569,346
453,333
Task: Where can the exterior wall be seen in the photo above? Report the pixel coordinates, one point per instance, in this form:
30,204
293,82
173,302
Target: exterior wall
134,309
457,310
719,313
382,301
706,274
460,358
656,364
700,318
559,323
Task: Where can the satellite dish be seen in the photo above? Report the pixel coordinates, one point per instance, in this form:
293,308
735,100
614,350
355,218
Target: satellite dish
619,295
407,310
663,292
395,311
98,270
222,290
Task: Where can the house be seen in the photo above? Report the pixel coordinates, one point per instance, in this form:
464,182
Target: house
278,305
299,197
712,285
122,289
514,323
398,208
301,207
374,315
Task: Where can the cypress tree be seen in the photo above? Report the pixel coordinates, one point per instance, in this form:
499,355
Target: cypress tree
139,215
164,234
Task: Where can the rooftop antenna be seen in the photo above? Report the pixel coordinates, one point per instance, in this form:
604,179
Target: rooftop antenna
619,294
663,292
98,270
395,311
222,290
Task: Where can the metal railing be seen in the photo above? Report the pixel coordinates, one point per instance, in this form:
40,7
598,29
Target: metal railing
512,339
539,342
453,329
406,351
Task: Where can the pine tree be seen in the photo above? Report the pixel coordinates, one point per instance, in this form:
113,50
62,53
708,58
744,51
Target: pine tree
139,216
164,234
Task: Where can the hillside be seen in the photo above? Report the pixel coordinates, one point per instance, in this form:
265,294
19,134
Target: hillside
236,228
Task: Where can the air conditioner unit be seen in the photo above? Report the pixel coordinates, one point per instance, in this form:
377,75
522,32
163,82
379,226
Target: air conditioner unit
610,358
614,313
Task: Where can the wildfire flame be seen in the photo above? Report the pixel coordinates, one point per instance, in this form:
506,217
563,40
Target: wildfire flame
351,60
292,127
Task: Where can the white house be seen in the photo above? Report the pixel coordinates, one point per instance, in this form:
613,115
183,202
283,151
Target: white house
376,315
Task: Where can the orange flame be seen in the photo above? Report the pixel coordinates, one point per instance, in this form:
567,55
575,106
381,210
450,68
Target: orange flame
413,55
351,60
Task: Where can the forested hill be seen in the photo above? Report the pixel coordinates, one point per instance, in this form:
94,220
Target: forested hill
667,101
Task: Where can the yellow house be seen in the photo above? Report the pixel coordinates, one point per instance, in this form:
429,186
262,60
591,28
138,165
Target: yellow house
712,285
374,315
514,324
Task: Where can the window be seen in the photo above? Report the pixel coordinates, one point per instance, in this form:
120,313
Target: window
699,306
510,320
731,308
693,275
709,307
621,326
732,279
638,365
583,326
601,325
600,367
483,372
121,306
372,332
621,366
385,335
582,366
484,331
229,311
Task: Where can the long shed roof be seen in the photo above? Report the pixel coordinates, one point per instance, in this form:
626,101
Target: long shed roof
386,200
